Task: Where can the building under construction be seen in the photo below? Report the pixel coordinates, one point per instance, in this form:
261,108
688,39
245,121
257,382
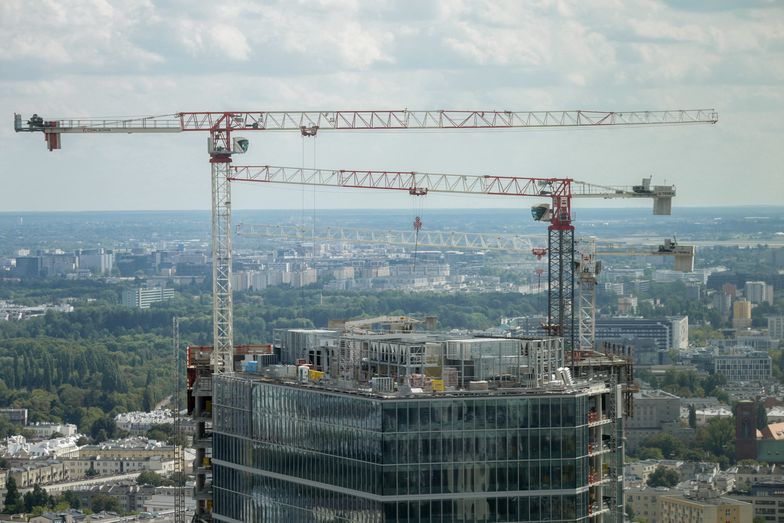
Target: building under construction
377,422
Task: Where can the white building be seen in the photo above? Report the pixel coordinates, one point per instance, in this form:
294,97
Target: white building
45,430
759,292
776,327
18,447
143,297
97,261
138,422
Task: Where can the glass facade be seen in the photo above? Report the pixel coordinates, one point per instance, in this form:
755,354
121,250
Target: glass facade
291,453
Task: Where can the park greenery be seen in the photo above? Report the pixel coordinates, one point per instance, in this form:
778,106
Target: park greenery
37,501
715,441
102,359
663,477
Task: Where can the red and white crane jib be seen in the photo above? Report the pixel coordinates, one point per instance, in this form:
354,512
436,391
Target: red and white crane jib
416,183
431,119
227,121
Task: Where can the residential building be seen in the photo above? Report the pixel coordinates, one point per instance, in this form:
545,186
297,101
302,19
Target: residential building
644,501
705,414
67,516
741,314
17,447
653,410
641,469
140,422
767,500
38,472
130,448
46,472
143,297
678,508
759,292
747,475
305,276
46,429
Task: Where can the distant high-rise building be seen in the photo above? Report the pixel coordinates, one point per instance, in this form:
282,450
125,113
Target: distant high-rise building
741,314
28,267
303,277
666,332
759,292
776,327
99,261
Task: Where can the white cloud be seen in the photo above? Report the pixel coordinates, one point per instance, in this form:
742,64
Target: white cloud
221,41
93,33
99,57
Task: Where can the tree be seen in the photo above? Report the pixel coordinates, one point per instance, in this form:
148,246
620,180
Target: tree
37,497
13,500
718,438
103,428
762,415
650,453
663,477
72,499
670,446
149,478
692,417
161,432
104,502
148,401
91,472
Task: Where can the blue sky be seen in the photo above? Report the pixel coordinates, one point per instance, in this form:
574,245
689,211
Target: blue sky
133,57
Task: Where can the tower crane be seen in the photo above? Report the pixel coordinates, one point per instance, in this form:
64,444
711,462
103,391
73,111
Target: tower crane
223,128
560,191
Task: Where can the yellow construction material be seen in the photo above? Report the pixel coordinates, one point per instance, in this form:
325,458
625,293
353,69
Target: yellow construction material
315,375
438,385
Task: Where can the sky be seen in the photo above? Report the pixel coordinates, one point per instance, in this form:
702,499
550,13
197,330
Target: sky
80,58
